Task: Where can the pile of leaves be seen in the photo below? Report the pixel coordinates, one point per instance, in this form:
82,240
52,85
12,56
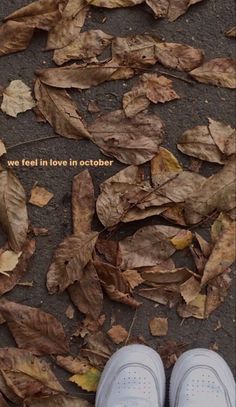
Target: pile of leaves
91,265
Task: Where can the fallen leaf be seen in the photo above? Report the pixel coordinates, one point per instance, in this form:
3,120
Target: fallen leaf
218,72
87,381
69,26
86,293
13,211
205,247
118,334
231,33
164,163
195,308
56,401
2,148
84,76
90,325
211,143
17,99
214,346
108,248
179,7
70,312
182,240
181,57
170,351
217,291
114,3
161,295
40,231
8,261
222,223
7,283
93,107
145,133
86,45
69,260
34,329
190,289
14,37
133,277
74,365
160,8
83,202
98,349
158,326
40,196
3,402
159,275
150,88
60,111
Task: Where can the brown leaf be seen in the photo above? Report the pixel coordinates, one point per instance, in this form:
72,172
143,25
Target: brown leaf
190,289
231,33
149,246
114,3
98,349
133,277
56,401
83,202
217,291
84,76
150,88
86,45
170,351
40,196
60,111
179,7
73,365
223,254
17,99
211,143
218,72
115,284
69,26
158,326
34,329
3,402
118,334
195,308
181,57
107,248
93,107
14,37
70,312
86,293
220,225
159,275
69,260
13,211
216,192
89,325
7,283
164,295
160,8
144,133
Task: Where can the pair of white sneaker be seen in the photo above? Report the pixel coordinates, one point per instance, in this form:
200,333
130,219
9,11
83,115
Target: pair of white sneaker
135,377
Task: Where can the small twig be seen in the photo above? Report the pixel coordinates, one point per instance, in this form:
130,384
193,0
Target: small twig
31,141
131,326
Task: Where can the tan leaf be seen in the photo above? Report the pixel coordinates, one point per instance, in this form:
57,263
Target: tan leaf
217,291
70,312
60,111
73,365
218,72
115,284
114,3
17,98
34,329
133,277
8,261
13,211
69,260
69,26
195,308
40,196
181,57
86,293
7,283
86,45
56,401
164,162
190,289
159,8
14,37
158,326
2,148
150,88
231,33
222,223
179,7
118,334
87,381
145,132
159,275
216,192
83,202
164,295
84,76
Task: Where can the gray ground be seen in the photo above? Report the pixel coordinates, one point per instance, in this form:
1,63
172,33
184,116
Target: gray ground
203,27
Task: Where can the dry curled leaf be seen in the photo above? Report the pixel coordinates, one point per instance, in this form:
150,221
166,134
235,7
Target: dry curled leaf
161,275
131,141
34,329
87,381
231,33
113,3
8,261
158,326
219,72
14,37
83,202
86,45
69,260
56,401
17,98
195,308
190,289
73,365
60,111
13,211
133,277
40,196
98,349
164,295
118,334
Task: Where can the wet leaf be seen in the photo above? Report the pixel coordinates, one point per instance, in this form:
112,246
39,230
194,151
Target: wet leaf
13,211
84,76
69,260
218,72
144,133
83,202
86,45
87,381
2,148
73,365
231,33
150,88
211,143
34,329
69,26
40,196
7,283
8,261
158,326
60,111
17,99
14,37
86,293
118,334
56,401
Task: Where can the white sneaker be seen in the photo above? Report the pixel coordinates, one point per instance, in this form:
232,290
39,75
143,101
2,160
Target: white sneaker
201,378
133,377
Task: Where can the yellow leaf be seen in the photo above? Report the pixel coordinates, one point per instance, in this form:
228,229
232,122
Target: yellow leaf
182,240
165,161
87,381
